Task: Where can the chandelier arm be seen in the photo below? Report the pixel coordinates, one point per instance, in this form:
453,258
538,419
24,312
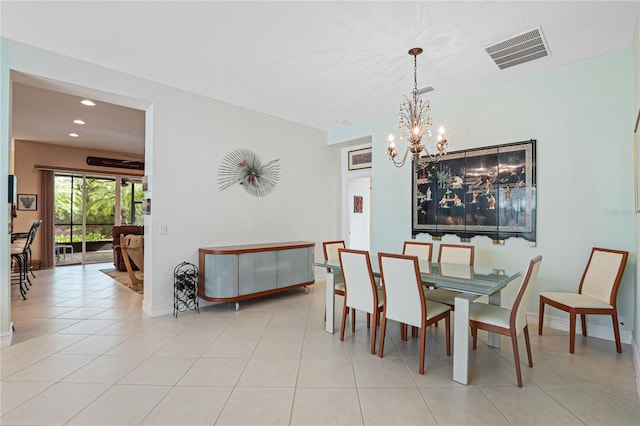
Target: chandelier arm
401,162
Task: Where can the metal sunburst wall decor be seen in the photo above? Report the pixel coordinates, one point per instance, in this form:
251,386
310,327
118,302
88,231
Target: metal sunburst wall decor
243,166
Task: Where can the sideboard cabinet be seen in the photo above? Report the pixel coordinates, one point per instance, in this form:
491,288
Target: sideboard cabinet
235,273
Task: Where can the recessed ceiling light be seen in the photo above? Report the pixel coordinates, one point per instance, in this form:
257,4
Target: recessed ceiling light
79,121
88,102
74,135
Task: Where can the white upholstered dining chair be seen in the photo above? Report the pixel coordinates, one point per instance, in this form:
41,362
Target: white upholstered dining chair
419,249
330,251
360,291
453,254
405,302
596,294
508,321
423,252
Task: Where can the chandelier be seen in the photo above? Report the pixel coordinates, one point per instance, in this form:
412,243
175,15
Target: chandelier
415,121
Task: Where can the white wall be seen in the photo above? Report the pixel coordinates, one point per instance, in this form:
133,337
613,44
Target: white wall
581,116
636,92
187,137
5,282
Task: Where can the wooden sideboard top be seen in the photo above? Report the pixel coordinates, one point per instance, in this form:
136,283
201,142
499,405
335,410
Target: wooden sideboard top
249,248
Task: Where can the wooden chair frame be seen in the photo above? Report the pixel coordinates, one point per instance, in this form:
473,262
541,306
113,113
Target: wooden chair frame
457,246
408,244
512,330
337,291
127,261
423,306
583,312
376,309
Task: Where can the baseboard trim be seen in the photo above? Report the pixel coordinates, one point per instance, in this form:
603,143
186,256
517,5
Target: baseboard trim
156,311
6,337
594,330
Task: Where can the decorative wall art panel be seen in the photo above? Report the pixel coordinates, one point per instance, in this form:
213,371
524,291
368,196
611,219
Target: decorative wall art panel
487,191
242,166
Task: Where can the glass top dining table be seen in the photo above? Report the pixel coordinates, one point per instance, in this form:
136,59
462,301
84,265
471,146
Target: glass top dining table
471,281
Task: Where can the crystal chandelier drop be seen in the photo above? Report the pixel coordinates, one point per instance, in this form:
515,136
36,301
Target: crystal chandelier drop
415,121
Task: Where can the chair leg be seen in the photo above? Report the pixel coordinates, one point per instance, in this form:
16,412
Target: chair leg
373,332
345,312
30,265
22,276
528,345
541,317
368,320
447,330
516,356
474,337
414,331
423,341
353,320
583,320
23,293
403,332
25,266
572,332
383,328
616,331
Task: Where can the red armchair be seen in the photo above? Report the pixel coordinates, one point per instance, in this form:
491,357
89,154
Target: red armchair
118,261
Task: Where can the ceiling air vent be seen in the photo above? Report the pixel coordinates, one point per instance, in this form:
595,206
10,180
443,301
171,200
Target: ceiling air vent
519,49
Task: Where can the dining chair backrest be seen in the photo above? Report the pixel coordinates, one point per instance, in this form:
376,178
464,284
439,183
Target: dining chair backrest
31,235
403,294
35,227
519,309
454,253
419,249
330,249
602,276
456,270
360,287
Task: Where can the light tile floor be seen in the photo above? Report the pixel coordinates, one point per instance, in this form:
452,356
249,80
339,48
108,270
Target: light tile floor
84,353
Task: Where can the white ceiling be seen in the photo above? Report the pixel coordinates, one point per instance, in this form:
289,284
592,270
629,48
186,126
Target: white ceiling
47,116
316,63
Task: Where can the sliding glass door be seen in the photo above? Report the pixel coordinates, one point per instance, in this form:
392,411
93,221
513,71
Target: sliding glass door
86,209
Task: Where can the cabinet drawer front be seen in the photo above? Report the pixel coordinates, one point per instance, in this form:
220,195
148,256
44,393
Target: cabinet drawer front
257,272
221,275
294,267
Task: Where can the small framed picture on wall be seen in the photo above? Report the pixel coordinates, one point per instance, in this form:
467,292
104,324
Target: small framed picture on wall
360,159
28,202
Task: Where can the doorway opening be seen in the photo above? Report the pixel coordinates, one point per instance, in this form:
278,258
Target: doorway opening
87,207
359,213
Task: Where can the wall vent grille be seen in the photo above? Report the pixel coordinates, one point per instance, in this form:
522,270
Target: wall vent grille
519,49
